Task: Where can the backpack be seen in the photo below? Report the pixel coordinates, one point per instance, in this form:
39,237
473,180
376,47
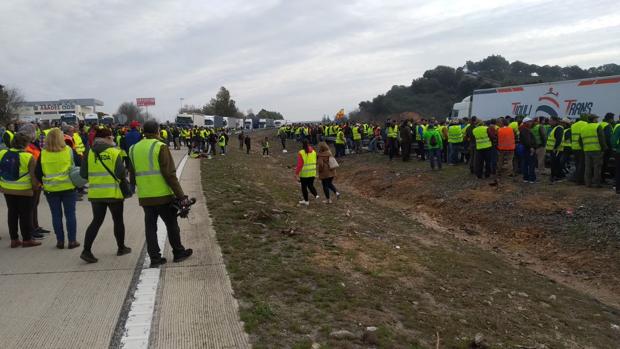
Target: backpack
9,166
433,140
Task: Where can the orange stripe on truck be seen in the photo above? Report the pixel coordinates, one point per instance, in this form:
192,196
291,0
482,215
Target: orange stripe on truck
607,81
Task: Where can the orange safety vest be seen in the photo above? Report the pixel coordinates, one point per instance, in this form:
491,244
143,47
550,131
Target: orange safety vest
34,150
69,141
506,139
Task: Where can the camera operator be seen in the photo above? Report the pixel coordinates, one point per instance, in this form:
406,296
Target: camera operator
154,174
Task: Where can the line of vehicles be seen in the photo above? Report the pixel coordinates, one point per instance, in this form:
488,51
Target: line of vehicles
215,121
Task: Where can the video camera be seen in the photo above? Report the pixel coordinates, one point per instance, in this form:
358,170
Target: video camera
183,206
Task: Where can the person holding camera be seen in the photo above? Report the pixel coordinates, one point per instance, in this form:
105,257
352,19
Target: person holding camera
154,174
105,170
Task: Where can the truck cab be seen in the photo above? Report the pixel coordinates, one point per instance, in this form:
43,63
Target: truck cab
107,120
184,120
91,119
462,109
247,124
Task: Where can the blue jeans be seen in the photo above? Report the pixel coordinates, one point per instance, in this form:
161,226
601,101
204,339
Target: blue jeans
58,201
454,150
434,156
528,166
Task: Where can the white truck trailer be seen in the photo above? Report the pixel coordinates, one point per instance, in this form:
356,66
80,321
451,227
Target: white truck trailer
569,98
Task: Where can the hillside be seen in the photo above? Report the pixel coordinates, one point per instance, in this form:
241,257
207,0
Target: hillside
438,89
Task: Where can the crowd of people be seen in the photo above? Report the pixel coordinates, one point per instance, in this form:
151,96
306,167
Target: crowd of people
115,162
583,150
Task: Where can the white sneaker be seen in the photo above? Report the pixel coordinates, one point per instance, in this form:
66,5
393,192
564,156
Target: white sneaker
303,202
327,201
317,197
337,195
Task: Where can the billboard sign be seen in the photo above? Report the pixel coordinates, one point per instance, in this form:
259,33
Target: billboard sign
145,102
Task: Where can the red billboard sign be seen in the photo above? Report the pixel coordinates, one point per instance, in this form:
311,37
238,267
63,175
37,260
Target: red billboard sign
145,102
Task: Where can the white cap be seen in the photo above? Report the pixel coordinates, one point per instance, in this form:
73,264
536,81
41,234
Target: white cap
528,119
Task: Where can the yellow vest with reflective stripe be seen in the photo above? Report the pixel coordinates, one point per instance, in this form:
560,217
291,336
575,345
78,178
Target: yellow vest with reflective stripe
576,129
566,141
101,185
309,169
589,137
551,139
222,141
482,138
11,136
24,182
356,134
340,137
144,156
455,134
79,145
56,166
393,131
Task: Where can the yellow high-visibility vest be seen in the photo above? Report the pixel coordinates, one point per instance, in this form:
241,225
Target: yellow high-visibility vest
144,156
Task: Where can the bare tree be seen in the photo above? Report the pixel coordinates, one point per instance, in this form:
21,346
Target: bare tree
130,110
10,100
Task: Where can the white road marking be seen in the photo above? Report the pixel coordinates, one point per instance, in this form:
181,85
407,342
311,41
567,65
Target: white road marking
140,317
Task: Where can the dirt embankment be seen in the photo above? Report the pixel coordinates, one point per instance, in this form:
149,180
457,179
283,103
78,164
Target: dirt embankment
568,233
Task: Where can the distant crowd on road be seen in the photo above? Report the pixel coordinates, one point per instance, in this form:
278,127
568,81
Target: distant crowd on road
108,164
584,151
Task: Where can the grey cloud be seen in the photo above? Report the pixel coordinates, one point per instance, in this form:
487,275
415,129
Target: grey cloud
302,58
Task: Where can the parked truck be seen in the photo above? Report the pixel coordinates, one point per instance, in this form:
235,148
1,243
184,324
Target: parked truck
569,98
233,123
266,123
248,124
91,119
214,121
185,120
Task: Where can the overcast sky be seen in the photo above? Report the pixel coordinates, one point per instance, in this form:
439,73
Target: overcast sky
299,57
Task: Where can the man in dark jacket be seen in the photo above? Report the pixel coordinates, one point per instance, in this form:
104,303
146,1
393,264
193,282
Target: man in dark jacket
133,136
405,140
526,138
159,206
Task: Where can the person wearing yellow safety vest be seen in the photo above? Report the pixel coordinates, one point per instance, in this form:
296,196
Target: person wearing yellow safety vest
153,171
221,142
80,148
340,142
566,145
104,168
455,142
443,131
577,149
594,145
434,145
306,171
357,137
55,162
392,139
484,147
17,182
554,149
8,135
282,134
615,146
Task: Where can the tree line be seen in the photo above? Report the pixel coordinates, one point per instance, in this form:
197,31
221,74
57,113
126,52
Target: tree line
434,94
